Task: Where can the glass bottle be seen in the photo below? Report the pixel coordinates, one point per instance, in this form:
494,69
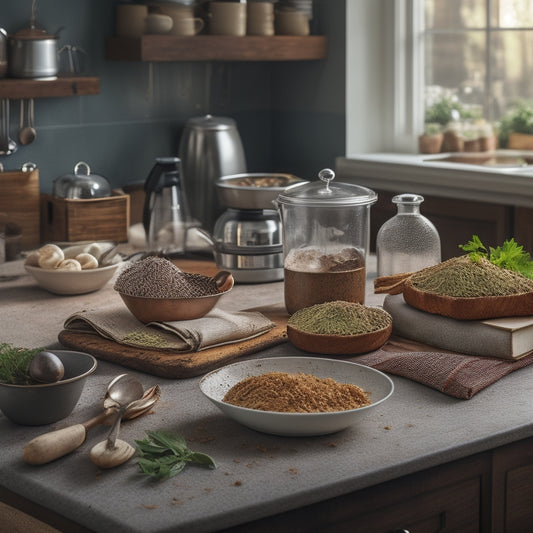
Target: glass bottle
408,241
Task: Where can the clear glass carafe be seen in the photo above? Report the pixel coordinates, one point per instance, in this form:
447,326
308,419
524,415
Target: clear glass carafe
325,241
408,241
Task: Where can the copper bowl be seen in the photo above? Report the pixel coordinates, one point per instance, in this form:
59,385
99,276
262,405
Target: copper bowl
339,344
174,309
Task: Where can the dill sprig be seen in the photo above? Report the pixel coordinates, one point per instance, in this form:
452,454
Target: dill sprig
14,363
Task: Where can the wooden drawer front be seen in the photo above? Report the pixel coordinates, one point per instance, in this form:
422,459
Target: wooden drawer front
512,488
454,508
518,500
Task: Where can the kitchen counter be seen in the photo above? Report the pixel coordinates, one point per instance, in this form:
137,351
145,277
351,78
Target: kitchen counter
258,475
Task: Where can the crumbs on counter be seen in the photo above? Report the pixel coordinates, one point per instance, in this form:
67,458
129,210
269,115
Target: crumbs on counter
387,427
237,483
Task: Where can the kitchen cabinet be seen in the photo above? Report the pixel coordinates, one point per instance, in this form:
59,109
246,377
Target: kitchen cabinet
490,491
457,220
217,48
17,88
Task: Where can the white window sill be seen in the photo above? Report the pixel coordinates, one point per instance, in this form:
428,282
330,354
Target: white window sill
422,174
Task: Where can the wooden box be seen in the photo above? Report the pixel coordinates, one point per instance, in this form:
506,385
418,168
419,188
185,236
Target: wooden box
19,199
98,219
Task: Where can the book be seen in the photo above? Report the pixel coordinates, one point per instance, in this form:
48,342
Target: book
506,338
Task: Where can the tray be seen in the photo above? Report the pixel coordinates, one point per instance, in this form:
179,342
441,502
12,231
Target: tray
168,364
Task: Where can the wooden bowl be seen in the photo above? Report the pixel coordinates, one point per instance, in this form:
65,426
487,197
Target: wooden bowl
338,344
480,308
170,309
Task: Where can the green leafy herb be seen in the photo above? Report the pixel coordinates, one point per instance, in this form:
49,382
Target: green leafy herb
510,255
164,455
14,363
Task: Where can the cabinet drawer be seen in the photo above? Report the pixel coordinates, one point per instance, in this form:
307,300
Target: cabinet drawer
454,508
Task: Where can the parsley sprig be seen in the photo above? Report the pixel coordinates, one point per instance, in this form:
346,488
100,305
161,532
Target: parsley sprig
163,455
510,255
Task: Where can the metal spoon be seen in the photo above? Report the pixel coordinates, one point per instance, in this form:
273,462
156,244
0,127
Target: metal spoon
124,390
27,132
55,444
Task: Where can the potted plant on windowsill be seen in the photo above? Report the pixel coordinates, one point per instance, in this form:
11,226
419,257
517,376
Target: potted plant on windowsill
516,127
430,142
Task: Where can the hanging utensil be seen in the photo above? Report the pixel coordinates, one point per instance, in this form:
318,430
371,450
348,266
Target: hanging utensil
27,131
7,145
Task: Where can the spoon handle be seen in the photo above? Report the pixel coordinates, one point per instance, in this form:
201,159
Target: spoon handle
115,428
50,446
56,444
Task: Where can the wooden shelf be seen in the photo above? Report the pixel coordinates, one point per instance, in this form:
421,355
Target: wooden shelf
217,48
16,88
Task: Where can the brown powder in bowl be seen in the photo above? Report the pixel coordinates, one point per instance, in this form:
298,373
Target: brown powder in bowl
296,393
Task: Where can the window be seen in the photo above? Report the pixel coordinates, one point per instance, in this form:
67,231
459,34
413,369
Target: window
403,55
478,52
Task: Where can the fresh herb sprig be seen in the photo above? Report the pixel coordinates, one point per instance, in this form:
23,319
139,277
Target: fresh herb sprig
14,363
163,455
510,255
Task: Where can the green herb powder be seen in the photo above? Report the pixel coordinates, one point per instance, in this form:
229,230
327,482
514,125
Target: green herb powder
340,318
460,277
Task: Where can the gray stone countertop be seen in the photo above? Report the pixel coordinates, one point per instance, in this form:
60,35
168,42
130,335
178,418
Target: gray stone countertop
257,475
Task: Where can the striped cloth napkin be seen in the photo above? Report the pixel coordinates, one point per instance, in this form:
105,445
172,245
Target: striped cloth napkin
457,375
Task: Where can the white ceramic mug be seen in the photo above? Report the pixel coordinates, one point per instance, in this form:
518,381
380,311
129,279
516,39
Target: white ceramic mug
156,23
291,23
260,18
227,18
130,20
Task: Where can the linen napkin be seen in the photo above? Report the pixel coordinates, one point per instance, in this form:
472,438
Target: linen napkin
216,328
454,374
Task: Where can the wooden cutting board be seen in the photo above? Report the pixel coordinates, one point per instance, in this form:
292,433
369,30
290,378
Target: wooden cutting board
168,364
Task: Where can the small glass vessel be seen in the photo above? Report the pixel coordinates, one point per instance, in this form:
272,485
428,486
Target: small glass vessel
408,241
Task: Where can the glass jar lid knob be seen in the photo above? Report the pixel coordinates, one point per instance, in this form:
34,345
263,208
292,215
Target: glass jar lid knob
326,175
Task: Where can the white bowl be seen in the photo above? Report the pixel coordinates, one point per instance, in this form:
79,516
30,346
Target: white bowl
72,281
215,385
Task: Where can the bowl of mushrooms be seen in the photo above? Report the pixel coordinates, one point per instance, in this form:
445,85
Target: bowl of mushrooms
77,269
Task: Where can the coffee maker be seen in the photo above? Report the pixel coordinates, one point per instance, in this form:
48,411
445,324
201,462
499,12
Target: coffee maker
165,213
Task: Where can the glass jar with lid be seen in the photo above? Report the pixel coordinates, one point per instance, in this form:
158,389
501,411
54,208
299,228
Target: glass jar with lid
325,241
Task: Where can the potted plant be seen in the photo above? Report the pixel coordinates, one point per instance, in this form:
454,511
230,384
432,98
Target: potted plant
516,127
430,142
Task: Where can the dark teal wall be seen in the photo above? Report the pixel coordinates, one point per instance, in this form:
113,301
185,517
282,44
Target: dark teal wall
290,115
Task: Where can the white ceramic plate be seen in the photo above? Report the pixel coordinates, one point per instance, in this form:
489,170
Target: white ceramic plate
72,281
215,385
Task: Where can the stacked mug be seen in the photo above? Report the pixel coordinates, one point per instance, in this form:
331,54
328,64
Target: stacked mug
227,18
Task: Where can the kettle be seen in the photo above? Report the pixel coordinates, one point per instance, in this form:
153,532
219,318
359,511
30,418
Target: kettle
210,148
165,213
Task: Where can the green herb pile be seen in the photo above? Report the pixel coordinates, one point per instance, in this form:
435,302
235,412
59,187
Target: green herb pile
340,318
14,363
164,455
510,255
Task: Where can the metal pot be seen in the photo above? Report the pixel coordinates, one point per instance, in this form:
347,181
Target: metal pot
253,191
74,186
210,148
33,54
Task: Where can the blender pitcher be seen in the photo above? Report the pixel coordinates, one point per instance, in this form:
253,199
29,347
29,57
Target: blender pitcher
325,241
165,214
